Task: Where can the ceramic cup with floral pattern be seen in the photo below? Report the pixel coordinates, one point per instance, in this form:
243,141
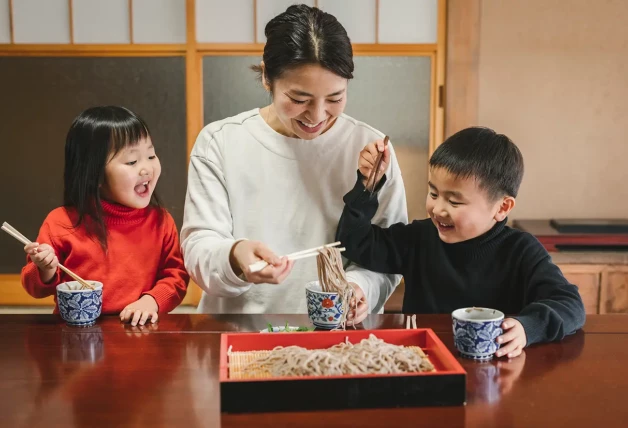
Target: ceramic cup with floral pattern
79,308
476,331
324,308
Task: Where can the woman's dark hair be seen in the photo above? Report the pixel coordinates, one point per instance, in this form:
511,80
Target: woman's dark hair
96,136
305,35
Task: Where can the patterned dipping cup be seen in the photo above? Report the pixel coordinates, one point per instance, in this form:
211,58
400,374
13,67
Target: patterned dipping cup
324,308
475,331
77,307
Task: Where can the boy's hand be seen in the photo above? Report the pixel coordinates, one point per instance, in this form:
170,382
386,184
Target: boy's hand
44,258
357,314
368,155
513,340
140,310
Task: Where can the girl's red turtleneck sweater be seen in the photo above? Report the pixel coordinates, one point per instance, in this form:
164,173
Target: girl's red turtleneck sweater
143,257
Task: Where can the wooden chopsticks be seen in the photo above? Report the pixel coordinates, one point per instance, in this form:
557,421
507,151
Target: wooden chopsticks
257,266
24,240
411,322
371,181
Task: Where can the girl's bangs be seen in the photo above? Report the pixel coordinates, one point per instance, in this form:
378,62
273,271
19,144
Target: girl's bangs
127,133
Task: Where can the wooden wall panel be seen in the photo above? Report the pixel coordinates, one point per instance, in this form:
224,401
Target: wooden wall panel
552,77
463,46
587,279
614,296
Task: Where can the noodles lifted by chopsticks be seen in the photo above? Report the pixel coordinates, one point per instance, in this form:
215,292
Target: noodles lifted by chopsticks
370,356
331,276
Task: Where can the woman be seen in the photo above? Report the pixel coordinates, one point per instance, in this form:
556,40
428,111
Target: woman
274,178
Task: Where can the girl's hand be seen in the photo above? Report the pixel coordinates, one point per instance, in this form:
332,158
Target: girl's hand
513,340
357,314
368,155
140,310
44,258
245,253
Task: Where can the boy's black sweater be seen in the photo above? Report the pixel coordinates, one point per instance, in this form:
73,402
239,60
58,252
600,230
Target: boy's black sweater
504,269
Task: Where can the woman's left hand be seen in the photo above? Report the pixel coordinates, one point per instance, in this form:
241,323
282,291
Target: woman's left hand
357,314
140,310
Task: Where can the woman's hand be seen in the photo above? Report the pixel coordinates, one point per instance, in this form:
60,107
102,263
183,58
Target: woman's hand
245,253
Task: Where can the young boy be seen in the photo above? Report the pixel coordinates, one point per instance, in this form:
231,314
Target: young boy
464,254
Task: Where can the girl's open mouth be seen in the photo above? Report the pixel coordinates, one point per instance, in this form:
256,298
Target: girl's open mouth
142,189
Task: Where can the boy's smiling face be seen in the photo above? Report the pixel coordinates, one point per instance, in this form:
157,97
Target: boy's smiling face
460,209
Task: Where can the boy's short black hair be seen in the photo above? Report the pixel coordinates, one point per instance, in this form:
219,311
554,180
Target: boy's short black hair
481,153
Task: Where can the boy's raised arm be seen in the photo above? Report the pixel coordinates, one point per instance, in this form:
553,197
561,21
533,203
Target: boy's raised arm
375,248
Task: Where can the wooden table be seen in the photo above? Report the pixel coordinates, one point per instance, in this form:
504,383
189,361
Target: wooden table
167,375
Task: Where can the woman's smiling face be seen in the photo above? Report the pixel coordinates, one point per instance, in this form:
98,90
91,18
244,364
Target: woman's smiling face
306,101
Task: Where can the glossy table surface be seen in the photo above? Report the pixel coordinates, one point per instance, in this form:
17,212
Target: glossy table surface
167,375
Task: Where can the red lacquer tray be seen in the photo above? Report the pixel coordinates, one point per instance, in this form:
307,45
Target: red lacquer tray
445,386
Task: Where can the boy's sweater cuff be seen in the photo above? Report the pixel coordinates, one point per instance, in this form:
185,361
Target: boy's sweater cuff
533,327
360,194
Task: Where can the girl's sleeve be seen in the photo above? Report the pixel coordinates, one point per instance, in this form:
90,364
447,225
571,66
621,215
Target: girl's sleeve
31,281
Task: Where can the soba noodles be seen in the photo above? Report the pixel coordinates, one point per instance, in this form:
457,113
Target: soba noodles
370,356
331,276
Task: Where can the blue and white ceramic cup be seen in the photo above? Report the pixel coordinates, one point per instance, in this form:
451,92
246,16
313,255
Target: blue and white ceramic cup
476,331
77,307
324,308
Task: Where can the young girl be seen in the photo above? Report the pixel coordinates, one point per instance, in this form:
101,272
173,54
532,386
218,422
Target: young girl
111,227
